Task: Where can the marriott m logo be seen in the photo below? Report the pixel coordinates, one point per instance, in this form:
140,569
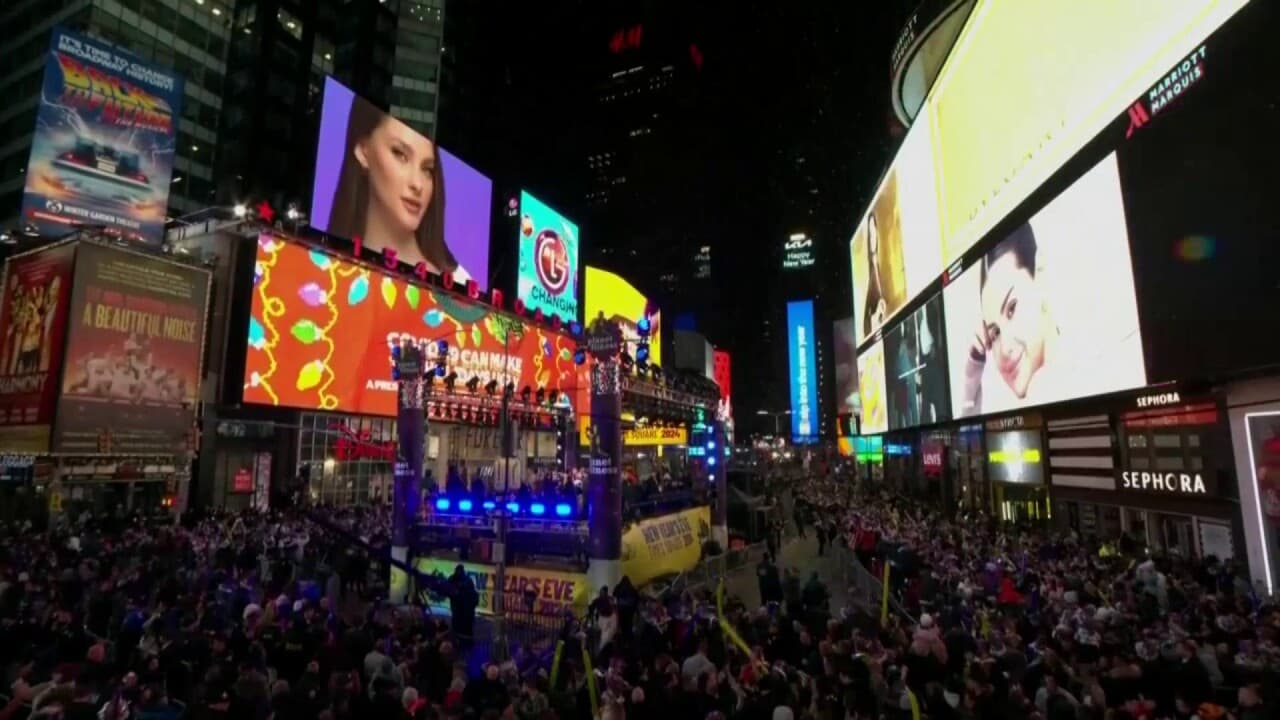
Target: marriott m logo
1138,117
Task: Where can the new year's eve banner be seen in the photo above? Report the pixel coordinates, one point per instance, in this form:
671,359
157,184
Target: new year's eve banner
103,148
135,342
321,330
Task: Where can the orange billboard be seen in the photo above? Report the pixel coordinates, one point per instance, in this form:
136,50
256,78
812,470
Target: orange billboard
322,326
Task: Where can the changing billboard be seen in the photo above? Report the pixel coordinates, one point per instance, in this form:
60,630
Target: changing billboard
802,354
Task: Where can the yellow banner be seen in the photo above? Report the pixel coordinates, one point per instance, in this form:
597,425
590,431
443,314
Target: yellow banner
656,436
554,591
666,545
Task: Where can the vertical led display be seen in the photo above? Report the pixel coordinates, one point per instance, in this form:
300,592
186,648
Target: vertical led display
548,277
104,142
804,371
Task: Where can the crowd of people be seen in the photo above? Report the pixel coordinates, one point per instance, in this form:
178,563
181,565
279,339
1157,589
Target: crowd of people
268,616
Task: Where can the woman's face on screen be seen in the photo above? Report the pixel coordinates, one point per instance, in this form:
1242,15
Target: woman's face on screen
1011,317
400,162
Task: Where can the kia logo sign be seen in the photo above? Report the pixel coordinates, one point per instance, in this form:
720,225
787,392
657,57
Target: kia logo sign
799,244
552,261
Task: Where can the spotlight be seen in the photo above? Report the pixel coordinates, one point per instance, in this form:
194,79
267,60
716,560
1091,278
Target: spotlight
642,326
489,505
510,389
513,507
449,380
538,509
240,210
625,358
579,356
553,396
642,353
541,395
525,393
563,510
440,371
473,383
491,387
442,347
442,504
293,213
465,505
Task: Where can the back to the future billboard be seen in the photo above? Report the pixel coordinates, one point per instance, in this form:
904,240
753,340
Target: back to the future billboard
103,149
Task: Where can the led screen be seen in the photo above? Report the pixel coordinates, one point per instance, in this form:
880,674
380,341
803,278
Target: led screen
895,251
802,354
1048,313
321,330
609,294
916,368
104,143
548,275
723,371
1009,109
871,390
846,367
382,181
1015,457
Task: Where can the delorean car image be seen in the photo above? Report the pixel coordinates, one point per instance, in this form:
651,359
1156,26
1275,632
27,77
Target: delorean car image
104,163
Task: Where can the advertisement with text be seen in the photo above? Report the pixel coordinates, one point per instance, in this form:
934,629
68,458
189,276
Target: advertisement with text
548,276
802,355
321,329
135,343
1008,112
384,182
104,143
665,545
1049,313
896,250
1015,457
550,592
33,318
916,368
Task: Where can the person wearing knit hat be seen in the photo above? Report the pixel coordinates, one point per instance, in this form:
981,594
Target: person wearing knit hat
782,712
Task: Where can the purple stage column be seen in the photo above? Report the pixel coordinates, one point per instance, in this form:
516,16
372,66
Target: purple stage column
406,489
604,476
719,469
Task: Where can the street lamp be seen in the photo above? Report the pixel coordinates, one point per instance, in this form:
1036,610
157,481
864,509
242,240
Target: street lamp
776,416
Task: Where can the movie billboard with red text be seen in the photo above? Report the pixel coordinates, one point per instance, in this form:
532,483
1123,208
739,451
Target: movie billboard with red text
135,342
322,327
104,143
33,320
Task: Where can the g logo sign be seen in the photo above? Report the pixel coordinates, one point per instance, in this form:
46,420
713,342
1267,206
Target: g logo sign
551,258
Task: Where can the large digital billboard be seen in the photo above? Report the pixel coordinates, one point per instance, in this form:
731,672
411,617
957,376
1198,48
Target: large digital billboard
321,329
895,250
135,347
1049,313
871,390
104,143
33,320
916,368
723,371
608,293
397,190
803,358
846,361
1008,111
548,276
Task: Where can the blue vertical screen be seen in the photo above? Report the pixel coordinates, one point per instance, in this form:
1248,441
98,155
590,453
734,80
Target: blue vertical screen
804,372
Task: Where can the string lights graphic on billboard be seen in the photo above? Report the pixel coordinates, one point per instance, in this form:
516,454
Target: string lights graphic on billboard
548,277
103,149
321,328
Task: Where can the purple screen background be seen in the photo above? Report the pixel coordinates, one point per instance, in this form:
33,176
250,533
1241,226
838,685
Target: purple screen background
468,193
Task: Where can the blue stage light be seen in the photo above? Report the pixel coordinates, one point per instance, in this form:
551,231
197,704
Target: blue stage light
563,510
642,353
711,460
439,371
579,356
395,352
443,347
442,504
538,509
513,508
642,326
711,444
489,505
465,505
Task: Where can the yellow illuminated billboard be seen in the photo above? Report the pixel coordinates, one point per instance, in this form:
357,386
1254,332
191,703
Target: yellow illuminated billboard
608,293
1031,82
